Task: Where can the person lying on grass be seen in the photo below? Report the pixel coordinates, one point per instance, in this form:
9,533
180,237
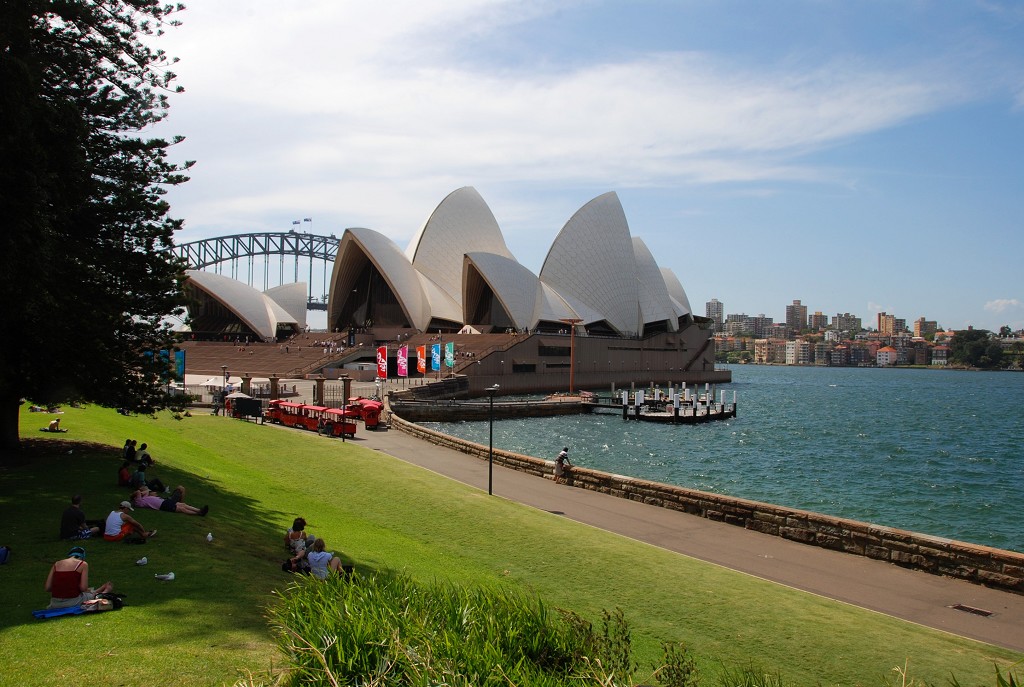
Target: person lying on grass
68,581
119,524
144,498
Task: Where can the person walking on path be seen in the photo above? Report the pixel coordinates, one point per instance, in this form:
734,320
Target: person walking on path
561,463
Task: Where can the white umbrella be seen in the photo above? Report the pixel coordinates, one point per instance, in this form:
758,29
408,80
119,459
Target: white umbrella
237,394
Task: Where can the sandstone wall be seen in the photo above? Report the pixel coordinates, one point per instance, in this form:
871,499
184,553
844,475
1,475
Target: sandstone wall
936,555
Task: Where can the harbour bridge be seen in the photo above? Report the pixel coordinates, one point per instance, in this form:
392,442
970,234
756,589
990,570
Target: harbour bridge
251,257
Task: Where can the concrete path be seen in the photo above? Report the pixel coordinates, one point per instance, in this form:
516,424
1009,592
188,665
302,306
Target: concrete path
910,595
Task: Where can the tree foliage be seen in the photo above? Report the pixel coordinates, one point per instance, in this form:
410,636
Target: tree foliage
975,348
86,273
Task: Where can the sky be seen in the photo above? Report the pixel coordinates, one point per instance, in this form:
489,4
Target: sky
858,156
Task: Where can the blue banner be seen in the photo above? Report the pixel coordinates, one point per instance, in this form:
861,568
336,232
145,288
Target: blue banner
435,357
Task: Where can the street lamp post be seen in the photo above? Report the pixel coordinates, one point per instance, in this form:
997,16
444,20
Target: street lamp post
490,441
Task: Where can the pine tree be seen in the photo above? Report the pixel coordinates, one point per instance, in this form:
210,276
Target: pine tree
86,274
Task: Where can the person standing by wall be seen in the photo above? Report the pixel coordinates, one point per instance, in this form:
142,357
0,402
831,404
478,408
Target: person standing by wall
561,463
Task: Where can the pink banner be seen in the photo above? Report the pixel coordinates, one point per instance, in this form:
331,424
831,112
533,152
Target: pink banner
382,362
403,361
421,359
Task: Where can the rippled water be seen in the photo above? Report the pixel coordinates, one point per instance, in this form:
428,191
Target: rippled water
933,451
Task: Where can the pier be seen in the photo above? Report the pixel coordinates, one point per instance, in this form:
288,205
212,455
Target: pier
649,406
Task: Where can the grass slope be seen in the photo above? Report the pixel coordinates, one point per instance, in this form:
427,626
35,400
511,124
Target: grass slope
208,626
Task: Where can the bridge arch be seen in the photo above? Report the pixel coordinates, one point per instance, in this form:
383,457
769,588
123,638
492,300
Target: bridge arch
249,258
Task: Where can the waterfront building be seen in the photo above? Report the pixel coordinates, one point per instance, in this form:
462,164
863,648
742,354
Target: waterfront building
822,349
770,351
940,356
886,356
799,352
796,317
631,318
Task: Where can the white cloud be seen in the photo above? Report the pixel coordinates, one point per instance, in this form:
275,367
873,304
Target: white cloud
1001,305
334,106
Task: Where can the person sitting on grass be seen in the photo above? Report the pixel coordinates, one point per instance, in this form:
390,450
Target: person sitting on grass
322,563
298,543
144,498
119,525
54,426
68,581
139,480
124,474
73,524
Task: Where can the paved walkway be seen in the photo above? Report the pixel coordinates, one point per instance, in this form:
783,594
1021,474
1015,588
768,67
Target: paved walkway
910,595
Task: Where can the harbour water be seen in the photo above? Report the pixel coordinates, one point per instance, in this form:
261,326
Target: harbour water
933,451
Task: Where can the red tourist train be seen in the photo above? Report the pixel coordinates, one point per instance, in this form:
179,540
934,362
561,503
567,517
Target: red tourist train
331,421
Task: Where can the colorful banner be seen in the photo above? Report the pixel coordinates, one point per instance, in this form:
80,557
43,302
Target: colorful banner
435,357
421,359
403,361
382,362
449,354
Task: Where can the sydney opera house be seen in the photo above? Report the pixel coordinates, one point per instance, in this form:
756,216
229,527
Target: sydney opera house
630,319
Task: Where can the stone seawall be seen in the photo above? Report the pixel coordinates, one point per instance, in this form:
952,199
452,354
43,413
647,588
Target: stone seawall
937,555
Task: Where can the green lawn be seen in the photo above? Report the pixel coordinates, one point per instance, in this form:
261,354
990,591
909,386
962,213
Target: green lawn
208,626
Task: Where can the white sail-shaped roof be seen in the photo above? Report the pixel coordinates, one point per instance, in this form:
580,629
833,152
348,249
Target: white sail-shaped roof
513,285
461,224
255,309
675,290
293,301
594,272
393,266
440,304
551,307
591,262
655,303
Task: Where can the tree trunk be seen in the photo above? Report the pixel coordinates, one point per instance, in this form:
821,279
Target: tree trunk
10,442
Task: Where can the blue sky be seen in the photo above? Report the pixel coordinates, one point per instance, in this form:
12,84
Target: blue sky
858,156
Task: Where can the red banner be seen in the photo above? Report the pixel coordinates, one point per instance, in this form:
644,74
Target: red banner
382,362
421,359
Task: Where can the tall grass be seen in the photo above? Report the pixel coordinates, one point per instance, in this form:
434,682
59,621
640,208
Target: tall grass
386,629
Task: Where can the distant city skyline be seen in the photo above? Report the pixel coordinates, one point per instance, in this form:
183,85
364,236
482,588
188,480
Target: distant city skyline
867,153
809,312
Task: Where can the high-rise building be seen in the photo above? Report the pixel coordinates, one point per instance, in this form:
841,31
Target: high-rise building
886,324
846,323
818,321
796,317
923,327
714,310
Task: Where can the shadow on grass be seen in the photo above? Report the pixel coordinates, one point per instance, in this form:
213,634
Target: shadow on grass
221,585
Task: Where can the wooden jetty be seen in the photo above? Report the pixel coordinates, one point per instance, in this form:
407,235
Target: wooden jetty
692,411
